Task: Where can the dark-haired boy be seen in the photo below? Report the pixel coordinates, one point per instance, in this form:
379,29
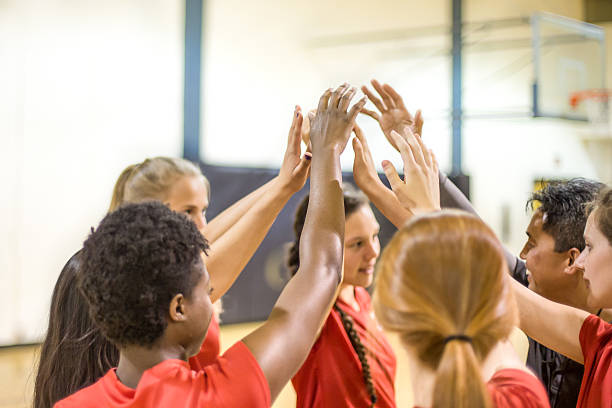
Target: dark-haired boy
547,266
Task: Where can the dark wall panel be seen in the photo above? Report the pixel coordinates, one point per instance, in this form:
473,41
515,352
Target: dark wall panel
256,290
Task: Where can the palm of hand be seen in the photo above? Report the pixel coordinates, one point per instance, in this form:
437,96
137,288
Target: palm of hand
395,119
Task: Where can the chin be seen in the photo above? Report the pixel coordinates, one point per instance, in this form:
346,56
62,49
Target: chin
593,302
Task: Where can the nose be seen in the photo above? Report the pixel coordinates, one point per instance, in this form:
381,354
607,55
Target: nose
580,260
372,249
200,221
524,252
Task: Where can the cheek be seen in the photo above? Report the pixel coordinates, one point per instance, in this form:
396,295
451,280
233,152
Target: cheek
350,261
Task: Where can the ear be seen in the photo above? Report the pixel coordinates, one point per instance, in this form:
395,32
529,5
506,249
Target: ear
176,310
572,268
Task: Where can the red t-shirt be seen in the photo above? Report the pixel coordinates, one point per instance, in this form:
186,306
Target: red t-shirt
596,343
210,349
513,388
234,380
332,376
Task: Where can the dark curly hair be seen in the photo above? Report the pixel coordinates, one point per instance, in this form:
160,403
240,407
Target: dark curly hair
563,202
133,264
353,200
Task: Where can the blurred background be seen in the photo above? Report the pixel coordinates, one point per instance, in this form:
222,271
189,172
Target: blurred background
88,87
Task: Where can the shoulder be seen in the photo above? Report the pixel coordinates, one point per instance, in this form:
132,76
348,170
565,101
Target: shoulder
90,396
595,338
512,387
237,373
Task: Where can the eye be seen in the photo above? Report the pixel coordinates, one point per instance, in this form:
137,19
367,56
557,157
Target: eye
188,212
210,291
356,244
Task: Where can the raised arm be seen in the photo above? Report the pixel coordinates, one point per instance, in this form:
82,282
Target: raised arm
283,342
230,252
552,324
228,217
392,115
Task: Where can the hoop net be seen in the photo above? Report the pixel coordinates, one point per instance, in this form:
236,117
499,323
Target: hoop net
597,106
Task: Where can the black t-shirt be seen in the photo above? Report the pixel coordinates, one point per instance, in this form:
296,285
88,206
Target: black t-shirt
561,376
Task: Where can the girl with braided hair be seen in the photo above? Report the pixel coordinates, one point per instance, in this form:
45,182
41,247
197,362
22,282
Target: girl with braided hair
351,364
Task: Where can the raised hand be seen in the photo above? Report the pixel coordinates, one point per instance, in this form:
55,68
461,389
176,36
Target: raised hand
295,167
364,170
420,190
333,122
393,114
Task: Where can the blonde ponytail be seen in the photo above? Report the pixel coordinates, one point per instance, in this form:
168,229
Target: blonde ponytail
441,286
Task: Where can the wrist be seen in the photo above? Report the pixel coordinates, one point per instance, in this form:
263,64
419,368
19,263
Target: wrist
332,149
281,189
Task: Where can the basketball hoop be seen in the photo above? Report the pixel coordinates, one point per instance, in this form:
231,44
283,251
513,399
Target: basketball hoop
597,107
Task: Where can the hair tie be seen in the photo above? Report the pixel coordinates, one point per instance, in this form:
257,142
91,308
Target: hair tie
460,337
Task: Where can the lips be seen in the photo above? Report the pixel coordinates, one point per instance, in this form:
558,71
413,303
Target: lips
587,283
367,270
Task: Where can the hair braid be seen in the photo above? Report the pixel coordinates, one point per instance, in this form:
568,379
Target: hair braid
360,349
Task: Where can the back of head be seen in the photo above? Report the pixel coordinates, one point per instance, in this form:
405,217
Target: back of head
133,264
74,353
601,208
562,203
354,199
442,275
151,180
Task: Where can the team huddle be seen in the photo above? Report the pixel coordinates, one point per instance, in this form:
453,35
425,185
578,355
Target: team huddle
134,314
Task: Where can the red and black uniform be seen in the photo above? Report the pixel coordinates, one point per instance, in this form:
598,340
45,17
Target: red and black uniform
332,374
233,380
596,343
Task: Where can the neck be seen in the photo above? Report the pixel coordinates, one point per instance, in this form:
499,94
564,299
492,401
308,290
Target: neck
423,383
347,294
575,296
135,360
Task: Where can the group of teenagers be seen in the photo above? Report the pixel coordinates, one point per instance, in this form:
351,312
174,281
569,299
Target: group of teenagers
134,313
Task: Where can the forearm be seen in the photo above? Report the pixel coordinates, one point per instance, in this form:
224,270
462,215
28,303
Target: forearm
304,303
231,252
226,219
387,203
323,232
554,325
452,197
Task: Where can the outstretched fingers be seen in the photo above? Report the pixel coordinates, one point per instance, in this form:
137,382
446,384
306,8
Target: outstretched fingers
374,99
352,114
389,103
394,179
345,100
295,132
337,94
373,114
405,151
397,99
324,101
418,122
